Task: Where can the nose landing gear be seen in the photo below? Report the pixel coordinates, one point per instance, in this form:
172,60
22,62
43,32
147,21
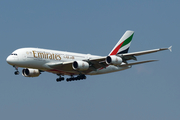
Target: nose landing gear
16,72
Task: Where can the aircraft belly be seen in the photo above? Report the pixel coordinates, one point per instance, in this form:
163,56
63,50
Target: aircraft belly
62,72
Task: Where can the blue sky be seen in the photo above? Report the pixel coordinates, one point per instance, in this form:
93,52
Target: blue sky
147,91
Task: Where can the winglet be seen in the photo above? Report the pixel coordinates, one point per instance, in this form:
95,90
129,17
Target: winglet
170,48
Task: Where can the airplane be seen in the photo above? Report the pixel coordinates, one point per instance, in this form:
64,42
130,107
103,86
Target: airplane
34,61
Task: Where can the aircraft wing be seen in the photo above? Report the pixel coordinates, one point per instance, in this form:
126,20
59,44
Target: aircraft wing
129,56
97,63
65,66
94,63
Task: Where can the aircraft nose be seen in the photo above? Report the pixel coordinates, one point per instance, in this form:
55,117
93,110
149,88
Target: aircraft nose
9,60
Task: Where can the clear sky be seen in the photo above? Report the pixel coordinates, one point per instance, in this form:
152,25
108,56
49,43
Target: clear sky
145,92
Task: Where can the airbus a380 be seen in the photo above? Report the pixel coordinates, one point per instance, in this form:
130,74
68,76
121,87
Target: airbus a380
77,66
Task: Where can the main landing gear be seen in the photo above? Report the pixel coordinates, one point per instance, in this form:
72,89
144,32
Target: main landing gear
16,72
60,78
79,77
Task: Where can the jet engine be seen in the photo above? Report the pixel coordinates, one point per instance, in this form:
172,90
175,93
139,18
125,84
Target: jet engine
30,72
113,60
80,65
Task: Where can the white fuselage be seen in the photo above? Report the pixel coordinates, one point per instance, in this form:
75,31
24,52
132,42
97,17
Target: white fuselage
37,58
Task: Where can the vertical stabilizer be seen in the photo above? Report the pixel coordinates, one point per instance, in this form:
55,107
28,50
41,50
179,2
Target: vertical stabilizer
123,44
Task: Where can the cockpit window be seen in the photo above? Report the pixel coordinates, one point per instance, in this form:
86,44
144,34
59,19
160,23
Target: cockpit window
14,54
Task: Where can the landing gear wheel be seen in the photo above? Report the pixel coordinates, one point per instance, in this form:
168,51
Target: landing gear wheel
60,78
68,79
16,72
79,77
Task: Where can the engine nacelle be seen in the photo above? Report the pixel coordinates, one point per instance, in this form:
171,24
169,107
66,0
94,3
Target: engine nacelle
80,65
30,72
113,60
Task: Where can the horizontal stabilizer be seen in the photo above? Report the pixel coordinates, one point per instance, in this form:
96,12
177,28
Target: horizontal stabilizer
141,62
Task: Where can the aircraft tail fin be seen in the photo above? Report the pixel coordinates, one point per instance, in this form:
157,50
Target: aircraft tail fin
123,44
